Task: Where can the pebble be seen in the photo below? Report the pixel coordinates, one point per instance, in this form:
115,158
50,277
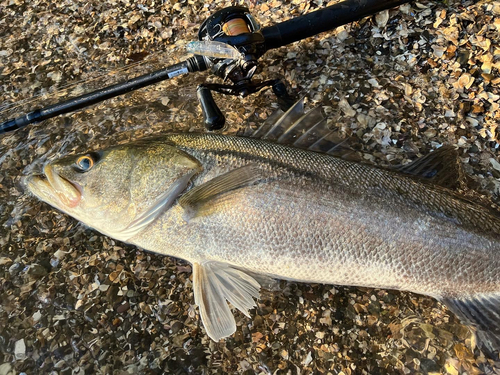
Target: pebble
20,350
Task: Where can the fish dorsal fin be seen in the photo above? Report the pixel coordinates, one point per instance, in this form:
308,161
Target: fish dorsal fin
441,167
306,130
444,168
274,127
214,283
226,182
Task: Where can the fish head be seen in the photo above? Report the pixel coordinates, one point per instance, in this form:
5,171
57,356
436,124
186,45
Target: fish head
117,191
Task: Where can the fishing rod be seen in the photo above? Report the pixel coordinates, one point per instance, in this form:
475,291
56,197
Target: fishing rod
230,42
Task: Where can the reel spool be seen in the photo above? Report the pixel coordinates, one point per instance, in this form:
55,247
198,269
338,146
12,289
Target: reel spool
237,27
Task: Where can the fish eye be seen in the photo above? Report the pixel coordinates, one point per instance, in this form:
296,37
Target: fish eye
84,163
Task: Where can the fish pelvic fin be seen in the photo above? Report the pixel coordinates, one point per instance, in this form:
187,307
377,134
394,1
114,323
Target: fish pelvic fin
214,283
481,311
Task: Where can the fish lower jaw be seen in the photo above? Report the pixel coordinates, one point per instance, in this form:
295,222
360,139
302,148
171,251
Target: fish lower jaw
69,193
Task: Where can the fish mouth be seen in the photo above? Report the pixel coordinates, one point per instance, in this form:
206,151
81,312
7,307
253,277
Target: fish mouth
54,189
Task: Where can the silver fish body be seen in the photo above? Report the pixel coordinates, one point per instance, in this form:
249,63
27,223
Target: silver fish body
308,217
316,218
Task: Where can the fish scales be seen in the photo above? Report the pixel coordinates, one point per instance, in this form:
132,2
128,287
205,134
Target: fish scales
366,179
327,220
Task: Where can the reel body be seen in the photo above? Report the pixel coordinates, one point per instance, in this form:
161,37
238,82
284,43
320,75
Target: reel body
236,27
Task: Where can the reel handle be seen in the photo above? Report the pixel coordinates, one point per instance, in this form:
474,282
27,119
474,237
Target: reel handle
212,116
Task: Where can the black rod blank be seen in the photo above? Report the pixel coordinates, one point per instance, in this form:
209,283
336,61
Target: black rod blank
193,64
323,20
275,36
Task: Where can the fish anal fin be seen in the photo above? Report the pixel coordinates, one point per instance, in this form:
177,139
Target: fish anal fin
224,183
214,283
481,311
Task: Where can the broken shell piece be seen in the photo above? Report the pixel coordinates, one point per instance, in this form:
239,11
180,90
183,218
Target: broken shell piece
381,18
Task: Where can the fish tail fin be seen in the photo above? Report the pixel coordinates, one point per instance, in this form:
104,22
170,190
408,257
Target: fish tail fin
481,311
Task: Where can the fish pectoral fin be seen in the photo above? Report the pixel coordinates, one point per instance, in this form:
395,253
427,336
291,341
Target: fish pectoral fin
231,180
214,283
162,203
481,311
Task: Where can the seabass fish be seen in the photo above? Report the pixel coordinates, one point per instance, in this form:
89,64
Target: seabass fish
236,206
